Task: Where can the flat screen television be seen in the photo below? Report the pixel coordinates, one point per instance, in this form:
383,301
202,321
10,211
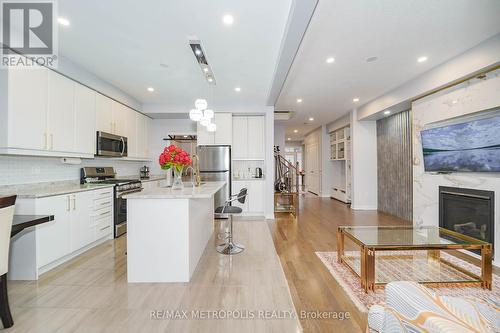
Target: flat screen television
468,145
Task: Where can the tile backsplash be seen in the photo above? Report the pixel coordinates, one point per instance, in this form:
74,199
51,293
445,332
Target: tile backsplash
24,169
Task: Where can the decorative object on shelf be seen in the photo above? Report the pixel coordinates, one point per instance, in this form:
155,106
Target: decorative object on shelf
176,158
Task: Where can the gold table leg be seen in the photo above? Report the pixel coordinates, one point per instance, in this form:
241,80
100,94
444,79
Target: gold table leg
340,245
486,270
363,274
370,269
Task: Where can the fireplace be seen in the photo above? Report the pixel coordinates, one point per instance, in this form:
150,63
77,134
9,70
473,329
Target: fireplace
467,211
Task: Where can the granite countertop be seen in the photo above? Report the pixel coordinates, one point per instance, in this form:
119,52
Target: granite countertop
151,178
247,179
205,191
48,189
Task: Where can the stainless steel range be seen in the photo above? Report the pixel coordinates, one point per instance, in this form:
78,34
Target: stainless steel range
107,175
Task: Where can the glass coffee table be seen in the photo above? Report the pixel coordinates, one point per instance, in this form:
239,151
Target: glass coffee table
406,252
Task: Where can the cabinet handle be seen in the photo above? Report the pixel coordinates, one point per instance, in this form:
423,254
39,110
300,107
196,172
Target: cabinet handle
51,141
105,228
105,203
74,202
68,208
108,212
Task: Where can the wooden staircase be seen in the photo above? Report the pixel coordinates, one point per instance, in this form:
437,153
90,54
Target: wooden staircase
286,185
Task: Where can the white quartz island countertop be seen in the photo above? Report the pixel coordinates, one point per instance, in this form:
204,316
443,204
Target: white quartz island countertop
168,230
205,191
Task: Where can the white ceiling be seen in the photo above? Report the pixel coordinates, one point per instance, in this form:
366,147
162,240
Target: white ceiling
124,42
395,31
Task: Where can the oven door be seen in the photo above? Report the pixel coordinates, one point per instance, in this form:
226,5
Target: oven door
111,145
121,212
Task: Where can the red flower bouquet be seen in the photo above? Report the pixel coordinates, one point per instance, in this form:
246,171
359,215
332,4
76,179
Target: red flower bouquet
174,157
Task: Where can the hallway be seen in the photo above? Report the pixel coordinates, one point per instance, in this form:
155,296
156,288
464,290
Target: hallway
311,285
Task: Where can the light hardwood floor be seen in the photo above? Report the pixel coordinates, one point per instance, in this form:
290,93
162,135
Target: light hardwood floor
311,284
91,294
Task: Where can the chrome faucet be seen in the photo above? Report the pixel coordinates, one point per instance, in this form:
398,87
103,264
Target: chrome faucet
195,171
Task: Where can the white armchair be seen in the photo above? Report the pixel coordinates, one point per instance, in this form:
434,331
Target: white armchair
6,217
410,307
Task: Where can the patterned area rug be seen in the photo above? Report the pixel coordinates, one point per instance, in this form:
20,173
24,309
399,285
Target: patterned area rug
407,266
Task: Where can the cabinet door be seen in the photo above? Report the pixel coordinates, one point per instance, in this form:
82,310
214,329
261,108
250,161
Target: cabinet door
82,230
119,118
236,188
204,137
27,107
53,238
104,114
224,133
240,137
61,113
256,137
85,120
147,127
131,132
256,196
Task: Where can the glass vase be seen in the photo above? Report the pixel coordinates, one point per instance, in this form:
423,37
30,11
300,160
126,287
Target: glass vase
177,183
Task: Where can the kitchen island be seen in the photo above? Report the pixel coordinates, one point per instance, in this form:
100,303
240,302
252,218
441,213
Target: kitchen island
168,231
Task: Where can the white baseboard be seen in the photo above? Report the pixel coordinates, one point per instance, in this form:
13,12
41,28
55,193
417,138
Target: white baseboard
362,207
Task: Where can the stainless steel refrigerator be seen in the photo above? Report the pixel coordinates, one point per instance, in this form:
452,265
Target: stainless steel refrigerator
215,164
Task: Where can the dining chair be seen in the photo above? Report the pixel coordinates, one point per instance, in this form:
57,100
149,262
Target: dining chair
6,217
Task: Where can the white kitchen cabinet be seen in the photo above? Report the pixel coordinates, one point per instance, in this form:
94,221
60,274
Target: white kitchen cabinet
104,114
53,238
119,118
222,135
142,136
82,230
61,115
240,138
131,131
25,114
85,120
254,203
237,186
256,137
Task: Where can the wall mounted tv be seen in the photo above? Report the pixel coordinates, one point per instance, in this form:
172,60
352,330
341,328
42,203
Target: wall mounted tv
468,144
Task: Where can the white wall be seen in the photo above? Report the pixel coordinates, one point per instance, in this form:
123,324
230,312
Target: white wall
364,163
339,123
484,55
326,164
471,96
279,135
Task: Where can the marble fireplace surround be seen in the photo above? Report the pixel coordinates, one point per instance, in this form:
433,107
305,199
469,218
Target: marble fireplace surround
469,97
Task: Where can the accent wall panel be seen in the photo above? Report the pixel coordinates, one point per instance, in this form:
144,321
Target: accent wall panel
394,163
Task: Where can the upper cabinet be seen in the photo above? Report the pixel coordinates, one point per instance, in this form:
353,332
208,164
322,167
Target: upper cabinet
248,137
223,134
47,114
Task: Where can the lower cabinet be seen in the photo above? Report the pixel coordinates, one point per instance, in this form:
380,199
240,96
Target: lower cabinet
254,203
80,219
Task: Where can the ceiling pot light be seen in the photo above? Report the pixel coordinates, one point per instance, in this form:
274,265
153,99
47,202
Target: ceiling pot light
355,99
299,100
237,89
200,104
387,112
455,101
422,59
295,131
208,113
205,69
63,21
195,115
211,127
205,121
330,60
210,79
151,89
289,139
228,19
311,119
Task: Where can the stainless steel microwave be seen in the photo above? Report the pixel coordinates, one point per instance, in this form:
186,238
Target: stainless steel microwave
111,145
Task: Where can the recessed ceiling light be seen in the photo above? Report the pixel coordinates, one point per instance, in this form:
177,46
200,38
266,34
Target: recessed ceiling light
289,139
355,99
228,19
422,59
295,131
63,21
205,69
299,100
237,89
185,136
197,52
455,101
151,89
387,112
330,60
311,119
210,79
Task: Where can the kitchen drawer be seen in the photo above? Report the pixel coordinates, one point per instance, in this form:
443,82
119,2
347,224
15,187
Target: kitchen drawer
106,192
103,203
99,214
103,228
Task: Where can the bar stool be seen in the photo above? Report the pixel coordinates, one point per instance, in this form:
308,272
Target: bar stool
6,217
229,247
